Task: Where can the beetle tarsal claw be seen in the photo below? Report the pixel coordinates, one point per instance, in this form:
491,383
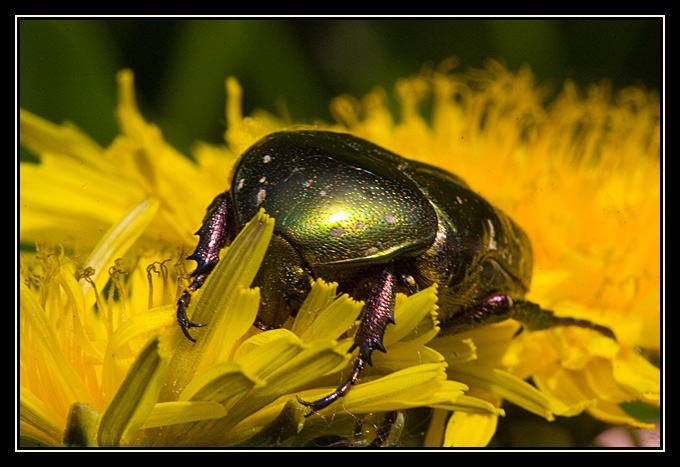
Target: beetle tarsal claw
324,402
185,326
184,323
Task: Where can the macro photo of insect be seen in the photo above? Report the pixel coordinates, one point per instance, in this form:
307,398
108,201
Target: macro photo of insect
469,260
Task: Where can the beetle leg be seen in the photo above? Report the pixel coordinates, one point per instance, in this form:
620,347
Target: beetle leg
319,404
378,313
213,235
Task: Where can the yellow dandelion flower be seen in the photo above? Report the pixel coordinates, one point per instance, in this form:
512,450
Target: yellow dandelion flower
103,363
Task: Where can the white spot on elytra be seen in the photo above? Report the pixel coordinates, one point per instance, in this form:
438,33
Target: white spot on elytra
267,159
336,232
261,196
390,219
371,251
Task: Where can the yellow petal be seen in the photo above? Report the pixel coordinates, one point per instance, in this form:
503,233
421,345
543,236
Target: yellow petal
135,399
224,382
117,359
118,240
334,320
404,354
466,430
236,323
636,373
68,202
170,413
214,302
282,379
499,382
319,297
87,326
599,377
287,364
470,404
414,318
42,136
455,349
38,421
612,413
407,388
51,376
562,387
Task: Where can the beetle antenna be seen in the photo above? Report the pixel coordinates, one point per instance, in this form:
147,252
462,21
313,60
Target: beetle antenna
583,323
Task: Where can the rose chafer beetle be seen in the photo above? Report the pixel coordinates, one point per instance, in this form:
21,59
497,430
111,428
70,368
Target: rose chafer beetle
376,223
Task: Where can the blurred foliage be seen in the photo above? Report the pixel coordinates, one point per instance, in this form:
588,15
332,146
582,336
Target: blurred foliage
67,66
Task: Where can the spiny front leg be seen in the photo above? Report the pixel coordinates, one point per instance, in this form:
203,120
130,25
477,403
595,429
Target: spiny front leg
378,313
213,235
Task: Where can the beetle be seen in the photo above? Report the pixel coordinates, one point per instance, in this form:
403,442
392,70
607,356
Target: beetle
351,212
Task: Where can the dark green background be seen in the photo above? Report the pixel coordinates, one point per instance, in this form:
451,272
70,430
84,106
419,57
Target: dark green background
67,66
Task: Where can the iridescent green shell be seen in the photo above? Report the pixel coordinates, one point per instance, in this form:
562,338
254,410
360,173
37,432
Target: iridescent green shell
334,201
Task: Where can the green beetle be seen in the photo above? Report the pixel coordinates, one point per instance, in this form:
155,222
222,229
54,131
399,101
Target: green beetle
352,212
